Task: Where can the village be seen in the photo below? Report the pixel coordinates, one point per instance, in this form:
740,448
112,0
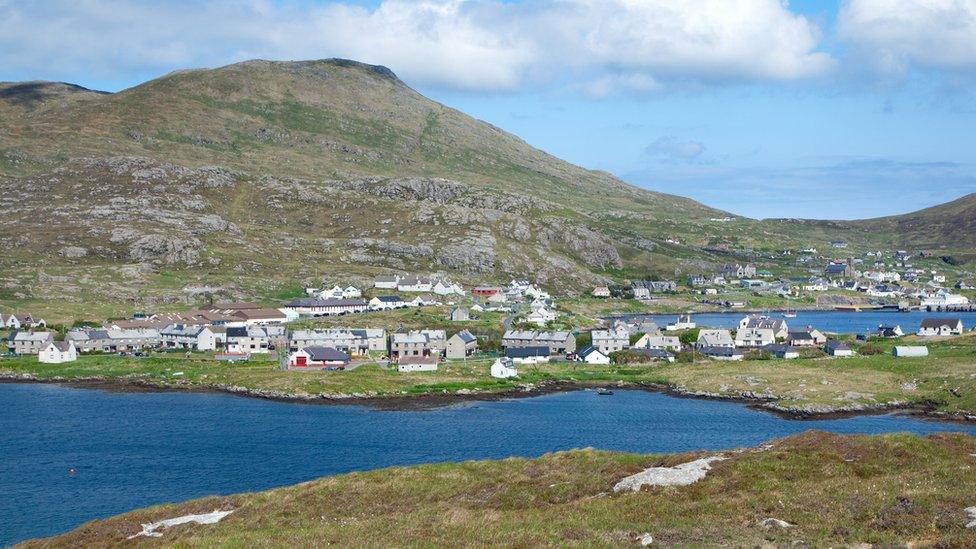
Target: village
525,324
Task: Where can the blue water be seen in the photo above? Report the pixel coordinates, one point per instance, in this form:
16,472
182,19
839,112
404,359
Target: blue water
133,450
830,321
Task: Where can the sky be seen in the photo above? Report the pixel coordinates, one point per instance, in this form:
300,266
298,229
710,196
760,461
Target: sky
831,109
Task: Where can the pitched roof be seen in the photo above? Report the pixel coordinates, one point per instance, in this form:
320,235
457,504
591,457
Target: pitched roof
326,354
718,351
466,336
835,345
63,346
653,353
526,352
234,331
32,336
589,350
936,323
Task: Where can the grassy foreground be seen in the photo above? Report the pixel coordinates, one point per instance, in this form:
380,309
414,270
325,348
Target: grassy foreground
832,489
943,382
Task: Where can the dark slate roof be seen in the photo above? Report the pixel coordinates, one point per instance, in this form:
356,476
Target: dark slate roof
526,352
236,331
718,351
389,298
589,349
777,348
834,345
466,336
802,334
321,354
62,346
939,322
653,353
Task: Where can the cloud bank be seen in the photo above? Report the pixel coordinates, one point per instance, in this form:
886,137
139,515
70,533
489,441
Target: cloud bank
896,35
599,46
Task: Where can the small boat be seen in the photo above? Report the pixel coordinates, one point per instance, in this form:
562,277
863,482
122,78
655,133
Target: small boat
604,391
789,313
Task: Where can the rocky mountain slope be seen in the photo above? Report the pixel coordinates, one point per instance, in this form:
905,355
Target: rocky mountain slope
255,178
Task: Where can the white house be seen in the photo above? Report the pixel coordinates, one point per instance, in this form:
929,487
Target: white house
684,322
181,336
351,292
610,341
443,287
503,368
754,337
318,357
334,292
415,284
417,364
326,307
944,299
535,292
592,355
652,341
807,337
715,338
940,327
386,302
386,282
540,316
777,325
527,355
57,352
838,348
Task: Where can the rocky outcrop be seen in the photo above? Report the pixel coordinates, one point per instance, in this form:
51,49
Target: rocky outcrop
473,254
164,249
591,247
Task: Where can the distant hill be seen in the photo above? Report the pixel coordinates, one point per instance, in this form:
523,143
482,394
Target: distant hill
257,177
949,226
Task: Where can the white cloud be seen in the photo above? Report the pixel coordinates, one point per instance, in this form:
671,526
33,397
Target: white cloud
597,46
670,147
896,35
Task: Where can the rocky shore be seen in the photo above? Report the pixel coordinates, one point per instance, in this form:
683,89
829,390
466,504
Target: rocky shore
765,401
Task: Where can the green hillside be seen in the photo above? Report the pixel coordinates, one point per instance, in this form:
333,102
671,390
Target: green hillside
253,179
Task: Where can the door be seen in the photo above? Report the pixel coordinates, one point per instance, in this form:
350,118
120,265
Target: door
301,361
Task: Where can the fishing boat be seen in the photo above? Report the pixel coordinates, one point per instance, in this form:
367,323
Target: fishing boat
604,391
789,313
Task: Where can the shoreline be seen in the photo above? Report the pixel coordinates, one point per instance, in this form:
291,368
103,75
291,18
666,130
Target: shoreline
430,401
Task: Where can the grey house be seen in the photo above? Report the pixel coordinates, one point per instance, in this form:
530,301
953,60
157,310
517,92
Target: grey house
462,345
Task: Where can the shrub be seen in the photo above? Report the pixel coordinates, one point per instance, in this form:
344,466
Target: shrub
868,349
811,352
685,356
757,354
689,337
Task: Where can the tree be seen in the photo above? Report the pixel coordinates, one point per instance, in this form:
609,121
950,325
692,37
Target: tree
689,337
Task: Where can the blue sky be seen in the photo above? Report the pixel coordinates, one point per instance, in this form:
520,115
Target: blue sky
821,109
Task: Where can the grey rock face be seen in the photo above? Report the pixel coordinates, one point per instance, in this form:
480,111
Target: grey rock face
168,250
72,251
